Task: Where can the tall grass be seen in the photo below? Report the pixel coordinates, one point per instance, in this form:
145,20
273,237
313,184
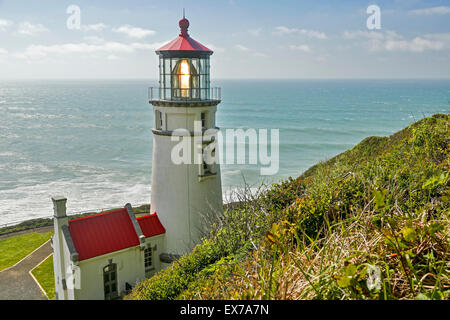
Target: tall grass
371,223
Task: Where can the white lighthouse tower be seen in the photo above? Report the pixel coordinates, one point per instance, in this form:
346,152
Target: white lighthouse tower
185,194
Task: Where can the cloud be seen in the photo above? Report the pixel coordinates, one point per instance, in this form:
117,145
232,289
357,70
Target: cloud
247,50
363,34
240,47
3,54
215,48
444,37
134,32
4,24
93,27
302,48
112,57
430,11
34,52
392,41
282,30
260,54
29,29
417,44
255,32
94,39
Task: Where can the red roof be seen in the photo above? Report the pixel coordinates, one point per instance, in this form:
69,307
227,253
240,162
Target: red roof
150,225
184,42
108,232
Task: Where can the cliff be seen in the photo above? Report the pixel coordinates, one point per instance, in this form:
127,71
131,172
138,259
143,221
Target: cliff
370,223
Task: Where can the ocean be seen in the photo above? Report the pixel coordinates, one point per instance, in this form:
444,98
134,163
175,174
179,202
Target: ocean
92,142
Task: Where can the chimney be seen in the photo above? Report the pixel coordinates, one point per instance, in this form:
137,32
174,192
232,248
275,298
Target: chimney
59,207
60,220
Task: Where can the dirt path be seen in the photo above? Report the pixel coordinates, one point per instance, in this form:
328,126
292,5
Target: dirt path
17,284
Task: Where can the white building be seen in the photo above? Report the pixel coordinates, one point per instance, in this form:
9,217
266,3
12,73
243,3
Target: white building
104,255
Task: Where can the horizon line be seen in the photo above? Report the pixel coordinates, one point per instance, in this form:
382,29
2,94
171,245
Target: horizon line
221,79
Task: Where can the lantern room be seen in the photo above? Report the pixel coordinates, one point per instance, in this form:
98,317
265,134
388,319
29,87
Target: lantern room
184,69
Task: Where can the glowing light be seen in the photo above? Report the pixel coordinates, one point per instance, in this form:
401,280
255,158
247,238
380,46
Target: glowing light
184,78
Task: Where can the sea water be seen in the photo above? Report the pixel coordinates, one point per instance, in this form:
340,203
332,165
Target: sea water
92,141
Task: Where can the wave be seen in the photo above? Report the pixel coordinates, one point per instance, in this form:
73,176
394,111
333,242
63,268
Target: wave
20,108
39,116
83,194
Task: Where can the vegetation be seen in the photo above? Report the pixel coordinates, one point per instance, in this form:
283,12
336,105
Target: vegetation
370,223
45,276
14,249
27,225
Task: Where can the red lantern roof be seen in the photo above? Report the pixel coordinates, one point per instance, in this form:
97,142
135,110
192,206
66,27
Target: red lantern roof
110,231
184,42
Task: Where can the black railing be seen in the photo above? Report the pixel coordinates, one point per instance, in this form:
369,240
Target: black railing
178,94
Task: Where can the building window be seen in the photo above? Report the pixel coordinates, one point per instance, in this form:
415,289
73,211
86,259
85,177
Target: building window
148,258
203,118
208,169
159,120
110,281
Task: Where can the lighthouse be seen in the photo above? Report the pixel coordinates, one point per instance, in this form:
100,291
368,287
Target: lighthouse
186,184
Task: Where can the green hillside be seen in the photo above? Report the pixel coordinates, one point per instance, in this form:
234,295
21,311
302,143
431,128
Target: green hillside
370,223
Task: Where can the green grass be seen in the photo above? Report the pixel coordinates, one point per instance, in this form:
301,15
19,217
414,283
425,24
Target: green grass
371,223
14,249
45,276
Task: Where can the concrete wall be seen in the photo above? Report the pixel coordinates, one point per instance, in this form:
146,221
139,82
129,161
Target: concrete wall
183,117
130,268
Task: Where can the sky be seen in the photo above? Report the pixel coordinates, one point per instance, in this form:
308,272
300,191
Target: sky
251,39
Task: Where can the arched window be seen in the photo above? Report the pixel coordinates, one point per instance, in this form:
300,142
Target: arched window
110,281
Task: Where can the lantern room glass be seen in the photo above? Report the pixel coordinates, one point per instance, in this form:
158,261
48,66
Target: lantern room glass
184,78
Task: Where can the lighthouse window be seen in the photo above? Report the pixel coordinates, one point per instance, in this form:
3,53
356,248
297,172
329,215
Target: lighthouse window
185,79
159,120
203,118
207,169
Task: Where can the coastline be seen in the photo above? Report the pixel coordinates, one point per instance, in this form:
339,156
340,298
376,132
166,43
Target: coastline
84,148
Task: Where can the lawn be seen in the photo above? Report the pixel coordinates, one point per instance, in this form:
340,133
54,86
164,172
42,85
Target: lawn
14,249
44,275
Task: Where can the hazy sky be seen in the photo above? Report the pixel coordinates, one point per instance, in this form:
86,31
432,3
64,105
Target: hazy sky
251,39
